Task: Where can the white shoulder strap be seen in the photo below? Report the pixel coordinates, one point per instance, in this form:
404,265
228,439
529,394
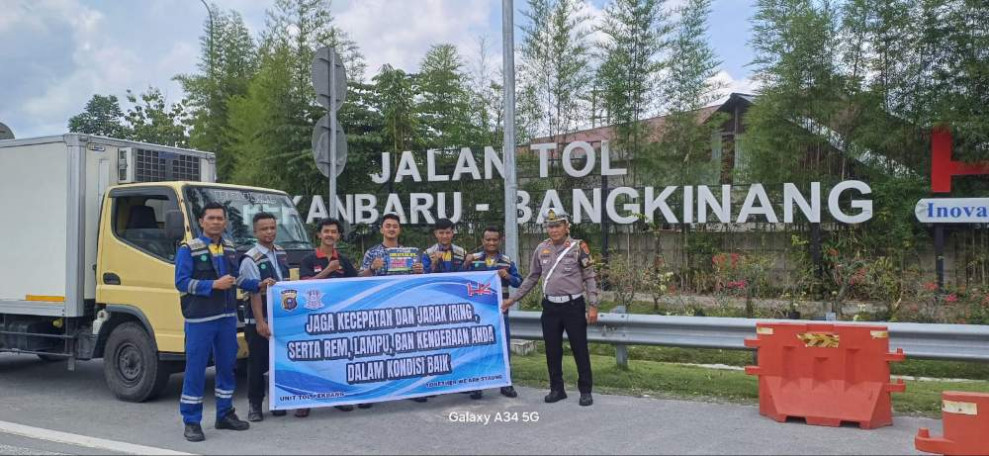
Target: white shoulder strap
552,269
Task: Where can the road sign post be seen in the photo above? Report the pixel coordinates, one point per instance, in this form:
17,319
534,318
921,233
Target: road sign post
330,81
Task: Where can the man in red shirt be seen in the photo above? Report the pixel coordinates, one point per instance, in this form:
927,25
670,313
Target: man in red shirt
327,263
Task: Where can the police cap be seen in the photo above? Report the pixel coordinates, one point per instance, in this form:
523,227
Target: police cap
555,216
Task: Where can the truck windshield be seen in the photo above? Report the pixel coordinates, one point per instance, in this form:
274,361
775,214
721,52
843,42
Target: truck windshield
241,207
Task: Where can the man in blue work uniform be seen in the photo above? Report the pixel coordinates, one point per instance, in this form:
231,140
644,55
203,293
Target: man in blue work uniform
444,256
491,259
206,277
261,267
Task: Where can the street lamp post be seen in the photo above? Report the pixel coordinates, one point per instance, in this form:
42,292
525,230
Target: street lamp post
210,12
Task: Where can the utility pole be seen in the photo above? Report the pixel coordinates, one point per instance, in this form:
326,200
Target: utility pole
508,146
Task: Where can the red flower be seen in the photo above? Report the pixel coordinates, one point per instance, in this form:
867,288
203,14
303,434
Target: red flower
951,298
734,259
930,286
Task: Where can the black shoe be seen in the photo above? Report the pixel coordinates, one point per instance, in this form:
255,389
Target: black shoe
476,394
586,399
278,413
345,408
555,396
254,413
194,432
509,391
364,406
231,422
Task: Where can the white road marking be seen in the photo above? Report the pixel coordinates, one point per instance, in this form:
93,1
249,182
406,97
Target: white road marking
81,440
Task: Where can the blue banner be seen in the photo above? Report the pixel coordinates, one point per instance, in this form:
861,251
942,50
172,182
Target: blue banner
375,339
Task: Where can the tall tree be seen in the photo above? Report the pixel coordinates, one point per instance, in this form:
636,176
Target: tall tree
555,57
228,61
636,32
796,49
273,124
102,116
445,106
486,88
684,151
396,91
153,120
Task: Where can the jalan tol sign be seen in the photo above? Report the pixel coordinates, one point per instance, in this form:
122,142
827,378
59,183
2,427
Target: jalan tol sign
845,202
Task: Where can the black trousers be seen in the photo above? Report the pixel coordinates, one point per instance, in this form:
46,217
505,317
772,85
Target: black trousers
568,317
257,364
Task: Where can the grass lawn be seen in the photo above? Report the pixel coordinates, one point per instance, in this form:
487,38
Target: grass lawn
658,377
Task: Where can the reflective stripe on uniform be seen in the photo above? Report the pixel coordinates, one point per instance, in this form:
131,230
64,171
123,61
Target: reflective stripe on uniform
224,394
191,399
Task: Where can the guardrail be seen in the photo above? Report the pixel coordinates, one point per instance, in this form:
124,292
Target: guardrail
918,340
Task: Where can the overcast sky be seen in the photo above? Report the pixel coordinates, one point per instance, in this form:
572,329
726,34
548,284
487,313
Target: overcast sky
55,54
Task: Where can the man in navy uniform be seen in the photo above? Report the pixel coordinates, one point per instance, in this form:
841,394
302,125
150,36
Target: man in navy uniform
491,259
568,274
444,255
206,277
262,266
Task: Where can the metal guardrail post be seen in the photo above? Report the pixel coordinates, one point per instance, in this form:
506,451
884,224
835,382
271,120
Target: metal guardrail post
621,350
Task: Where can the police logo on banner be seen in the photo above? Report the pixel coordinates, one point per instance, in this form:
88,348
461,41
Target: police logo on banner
289,301
314,299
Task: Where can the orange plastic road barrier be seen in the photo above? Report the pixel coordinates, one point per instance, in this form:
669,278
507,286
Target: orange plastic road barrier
825,373
966,426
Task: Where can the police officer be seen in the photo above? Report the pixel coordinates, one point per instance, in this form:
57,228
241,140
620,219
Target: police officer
262,266
565,266
444,255
490,258
205,275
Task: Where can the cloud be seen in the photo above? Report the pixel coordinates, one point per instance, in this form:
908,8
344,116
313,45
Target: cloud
731,85
399,32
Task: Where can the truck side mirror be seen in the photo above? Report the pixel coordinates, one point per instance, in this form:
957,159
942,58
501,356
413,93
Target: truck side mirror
174,225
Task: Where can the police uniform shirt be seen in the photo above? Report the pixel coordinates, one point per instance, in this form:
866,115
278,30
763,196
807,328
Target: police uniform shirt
573,276
316,262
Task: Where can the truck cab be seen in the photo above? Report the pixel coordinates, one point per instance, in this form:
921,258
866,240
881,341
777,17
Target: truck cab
98,224
141,227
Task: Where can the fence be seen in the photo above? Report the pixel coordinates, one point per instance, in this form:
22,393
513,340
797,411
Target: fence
918,340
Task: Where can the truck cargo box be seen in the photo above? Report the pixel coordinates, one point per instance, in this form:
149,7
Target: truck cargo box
52,189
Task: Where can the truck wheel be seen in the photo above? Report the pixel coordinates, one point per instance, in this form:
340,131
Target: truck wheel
130,364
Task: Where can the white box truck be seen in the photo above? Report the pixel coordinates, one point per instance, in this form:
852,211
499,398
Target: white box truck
91,229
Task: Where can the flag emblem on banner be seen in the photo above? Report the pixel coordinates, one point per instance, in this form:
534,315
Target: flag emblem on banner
478,289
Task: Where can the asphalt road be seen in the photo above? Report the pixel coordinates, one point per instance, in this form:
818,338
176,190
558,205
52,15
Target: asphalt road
46,409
